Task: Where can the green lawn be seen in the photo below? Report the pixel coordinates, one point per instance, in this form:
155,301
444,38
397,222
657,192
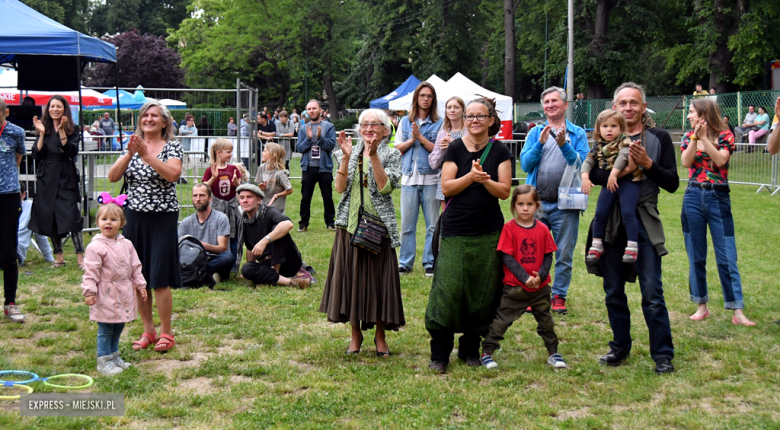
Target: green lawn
265,358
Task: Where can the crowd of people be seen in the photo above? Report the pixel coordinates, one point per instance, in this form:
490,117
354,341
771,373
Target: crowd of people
486,271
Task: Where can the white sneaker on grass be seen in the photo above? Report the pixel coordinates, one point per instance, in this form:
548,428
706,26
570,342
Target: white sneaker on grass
106,365
487,361
13,313
556,361
119,362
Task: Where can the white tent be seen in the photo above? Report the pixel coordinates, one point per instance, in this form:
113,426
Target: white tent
468,90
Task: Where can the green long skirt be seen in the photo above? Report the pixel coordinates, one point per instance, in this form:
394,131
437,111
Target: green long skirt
467,284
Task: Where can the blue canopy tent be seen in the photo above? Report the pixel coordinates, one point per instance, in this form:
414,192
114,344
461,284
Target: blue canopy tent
406,88
126,99
48,55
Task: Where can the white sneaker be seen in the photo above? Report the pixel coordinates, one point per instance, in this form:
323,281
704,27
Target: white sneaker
119,362
12,313
217,278
556,361
106,365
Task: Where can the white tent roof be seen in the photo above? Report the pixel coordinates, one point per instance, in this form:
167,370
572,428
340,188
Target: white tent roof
468,90
169,102
462,87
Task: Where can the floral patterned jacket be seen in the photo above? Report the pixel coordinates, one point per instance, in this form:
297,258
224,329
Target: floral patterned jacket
381,199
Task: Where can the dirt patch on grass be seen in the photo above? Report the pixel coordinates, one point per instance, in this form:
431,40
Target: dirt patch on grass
198,386
238,379
303,366
575,414
169,365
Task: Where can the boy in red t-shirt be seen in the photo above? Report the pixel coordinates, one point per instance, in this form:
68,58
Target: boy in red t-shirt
526,247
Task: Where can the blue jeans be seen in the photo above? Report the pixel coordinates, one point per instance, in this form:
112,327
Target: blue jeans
108,338
222,264
564,225
648,269
628,194
702,208
412,197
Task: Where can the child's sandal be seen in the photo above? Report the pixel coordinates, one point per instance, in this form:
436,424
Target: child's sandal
145,340
593,255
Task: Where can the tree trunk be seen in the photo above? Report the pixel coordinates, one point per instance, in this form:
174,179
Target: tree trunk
510,6
327,83
596,89
725,26
485,64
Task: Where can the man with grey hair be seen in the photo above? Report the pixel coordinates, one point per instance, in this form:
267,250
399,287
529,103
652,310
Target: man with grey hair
548,150
653,152
11,151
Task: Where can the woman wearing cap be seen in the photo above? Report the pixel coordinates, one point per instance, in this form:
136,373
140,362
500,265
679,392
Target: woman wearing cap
151,165
364,289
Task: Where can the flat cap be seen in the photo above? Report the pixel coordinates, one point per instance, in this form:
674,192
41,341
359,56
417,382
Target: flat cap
252,188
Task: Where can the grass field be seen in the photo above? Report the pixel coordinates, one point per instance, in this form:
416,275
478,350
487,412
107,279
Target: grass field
265,358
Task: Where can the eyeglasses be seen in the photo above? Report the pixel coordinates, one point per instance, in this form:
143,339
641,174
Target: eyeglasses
480,118
426,96
371,125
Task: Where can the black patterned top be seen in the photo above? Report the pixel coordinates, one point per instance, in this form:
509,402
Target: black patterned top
147,191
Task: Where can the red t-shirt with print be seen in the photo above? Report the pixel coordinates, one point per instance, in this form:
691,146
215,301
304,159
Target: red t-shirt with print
703,168
527,246
223,186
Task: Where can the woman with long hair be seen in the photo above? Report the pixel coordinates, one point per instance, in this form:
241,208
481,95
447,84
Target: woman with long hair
467,279
55,209
453,128
363,288
705,152
151,165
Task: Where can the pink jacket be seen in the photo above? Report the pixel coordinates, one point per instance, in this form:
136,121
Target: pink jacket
112,272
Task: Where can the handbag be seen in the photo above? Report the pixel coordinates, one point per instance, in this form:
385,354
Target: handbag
437,231
371,231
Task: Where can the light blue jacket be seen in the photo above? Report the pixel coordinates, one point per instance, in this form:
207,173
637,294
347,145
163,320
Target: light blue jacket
417,152
532,150
326,142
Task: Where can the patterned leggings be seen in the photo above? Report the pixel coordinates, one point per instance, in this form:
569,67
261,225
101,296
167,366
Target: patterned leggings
78,243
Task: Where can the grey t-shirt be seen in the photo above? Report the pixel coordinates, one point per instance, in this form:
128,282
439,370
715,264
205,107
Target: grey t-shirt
107,125
278,181
551,168
216,225
750,118
314,162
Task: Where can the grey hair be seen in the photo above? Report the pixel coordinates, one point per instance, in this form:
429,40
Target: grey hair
561,93
167,131
380,115
631,85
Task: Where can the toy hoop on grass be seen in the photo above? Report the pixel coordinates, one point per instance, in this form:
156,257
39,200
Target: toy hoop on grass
89,380
26,387
18,372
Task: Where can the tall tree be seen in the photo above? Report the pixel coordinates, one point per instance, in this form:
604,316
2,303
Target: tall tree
146,16
510,42
70,13
142,60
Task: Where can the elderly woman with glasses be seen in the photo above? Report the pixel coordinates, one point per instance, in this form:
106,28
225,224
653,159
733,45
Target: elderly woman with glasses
467,277
363,288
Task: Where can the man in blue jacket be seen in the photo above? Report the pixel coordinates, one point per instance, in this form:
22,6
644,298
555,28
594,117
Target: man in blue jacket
316,140
415,138
544,158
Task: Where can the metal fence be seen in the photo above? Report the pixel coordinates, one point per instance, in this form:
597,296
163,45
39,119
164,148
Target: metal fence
749,165
669,112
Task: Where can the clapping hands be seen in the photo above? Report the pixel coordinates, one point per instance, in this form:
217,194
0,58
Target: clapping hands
39,127
477,174
345,143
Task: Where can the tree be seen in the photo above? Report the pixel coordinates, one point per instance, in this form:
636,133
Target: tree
70,13
510,42
142,60
146,16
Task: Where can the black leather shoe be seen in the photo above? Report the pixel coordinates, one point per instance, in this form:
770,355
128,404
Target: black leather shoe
438,366
614,358
472,361
663,365
358,350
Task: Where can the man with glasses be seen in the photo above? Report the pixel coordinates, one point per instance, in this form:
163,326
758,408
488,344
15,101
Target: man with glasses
549,148
316,140
415,138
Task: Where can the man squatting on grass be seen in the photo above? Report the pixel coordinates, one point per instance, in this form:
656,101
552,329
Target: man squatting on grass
653,152
272,256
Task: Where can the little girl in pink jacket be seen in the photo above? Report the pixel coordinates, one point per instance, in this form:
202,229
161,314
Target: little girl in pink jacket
112,271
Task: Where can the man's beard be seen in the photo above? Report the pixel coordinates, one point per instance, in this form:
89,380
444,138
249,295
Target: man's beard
201,207
315,118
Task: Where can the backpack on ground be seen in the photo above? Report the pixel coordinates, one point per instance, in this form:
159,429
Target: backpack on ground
193,262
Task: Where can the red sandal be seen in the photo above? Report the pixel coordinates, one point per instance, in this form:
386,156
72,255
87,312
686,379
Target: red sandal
169,343
144,341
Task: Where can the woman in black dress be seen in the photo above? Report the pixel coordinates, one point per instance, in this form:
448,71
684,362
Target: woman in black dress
55,209
151,165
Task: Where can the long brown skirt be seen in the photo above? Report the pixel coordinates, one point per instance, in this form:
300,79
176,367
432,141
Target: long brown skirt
362,288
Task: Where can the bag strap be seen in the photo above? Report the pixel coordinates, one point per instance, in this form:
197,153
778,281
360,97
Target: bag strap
360,184
481,162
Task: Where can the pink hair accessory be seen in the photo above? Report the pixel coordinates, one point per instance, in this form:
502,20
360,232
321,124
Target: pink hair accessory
105,198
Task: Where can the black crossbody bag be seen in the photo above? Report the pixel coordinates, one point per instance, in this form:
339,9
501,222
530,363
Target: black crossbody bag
371,230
